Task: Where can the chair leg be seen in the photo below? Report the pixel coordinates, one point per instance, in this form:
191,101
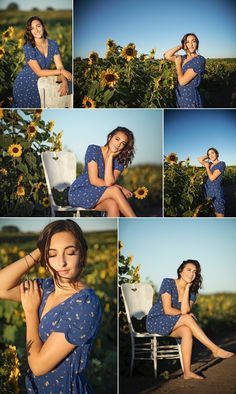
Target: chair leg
155,356
181,357
132,356
76,214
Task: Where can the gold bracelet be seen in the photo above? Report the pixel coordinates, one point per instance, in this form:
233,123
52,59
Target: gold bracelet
27,263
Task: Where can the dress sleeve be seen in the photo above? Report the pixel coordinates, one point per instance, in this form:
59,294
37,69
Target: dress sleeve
81,320
29,53
56,50
221,166
91,154
193,297
118,166
198,65
166,286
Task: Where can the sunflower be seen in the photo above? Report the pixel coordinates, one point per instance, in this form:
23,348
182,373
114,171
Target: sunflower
8,34
31,130
129,52
2,51
59,135
21,253
152,53
141,193
142,57
111,44
15,150
172,158
1,113
51,125
20,191
41,272
20,180
88,102
3,171
37,113
93,58
20,43
109,78
46,202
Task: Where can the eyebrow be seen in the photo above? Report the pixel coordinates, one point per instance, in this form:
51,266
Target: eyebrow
67,247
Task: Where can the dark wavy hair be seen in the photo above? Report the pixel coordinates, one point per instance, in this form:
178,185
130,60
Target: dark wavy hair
185,37
58,226
197,283
28,36
127,154
215,150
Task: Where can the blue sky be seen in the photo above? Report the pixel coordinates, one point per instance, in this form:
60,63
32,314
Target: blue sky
25,5
84,127
37,224
155,24
160,246
191,133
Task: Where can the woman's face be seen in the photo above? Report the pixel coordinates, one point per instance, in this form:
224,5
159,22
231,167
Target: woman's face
117,142
37,29
191,44
188,274
64,256
212,155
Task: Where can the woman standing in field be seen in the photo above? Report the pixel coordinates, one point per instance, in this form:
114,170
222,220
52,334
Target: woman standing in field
62,314
171,314
190,69
212,187
97,186
40,52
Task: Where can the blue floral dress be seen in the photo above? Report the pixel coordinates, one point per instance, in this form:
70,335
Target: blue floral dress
25,88
82,193
188,96
78,317
214,190
157,321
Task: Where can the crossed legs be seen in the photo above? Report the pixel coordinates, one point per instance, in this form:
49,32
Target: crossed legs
113,202
186,328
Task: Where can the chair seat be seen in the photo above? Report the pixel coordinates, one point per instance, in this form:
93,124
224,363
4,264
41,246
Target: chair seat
49,94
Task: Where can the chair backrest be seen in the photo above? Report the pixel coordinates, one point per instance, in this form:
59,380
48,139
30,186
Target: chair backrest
59,169
138,299
49,94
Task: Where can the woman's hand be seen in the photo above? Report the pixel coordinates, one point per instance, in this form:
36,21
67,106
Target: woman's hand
66,74
178,60
126,192
63,89
31,295
206,164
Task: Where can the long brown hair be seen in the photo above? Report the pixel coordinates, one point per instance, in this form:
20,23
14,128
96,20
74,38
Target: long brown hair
127,154
197,283
58,226
28,36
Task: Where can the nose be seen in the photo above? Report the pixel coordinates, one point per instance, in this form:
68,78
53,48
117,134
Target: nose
61,261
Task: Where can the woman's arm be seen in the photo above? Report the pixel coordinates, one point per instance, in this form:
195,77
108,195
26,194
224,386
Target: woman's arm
166,302
202,159
94,178
34,65
183,78
170,54
11,275
42,357
185,305
59,66
212,175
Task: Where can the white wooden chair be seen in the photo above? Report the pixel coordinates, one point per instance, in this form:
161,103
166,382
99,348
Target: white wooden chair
60,172
138,300
49,95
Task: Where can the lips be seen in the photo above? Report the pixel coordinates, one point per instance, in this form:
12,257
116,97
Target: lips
63,271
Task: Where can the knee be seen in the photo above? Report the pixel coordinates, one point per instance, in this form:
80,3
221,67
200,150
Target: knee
186,332
112,207
114,189
187,320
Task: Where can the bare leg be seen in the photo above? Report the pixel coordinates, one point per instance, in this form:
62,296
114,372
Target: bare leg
185,333
109,206
187,320
116,194
219,215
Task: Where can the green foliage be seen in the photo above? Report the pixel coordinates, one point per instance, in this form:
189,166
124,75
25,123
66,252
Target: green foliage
12,60
24,136
100,275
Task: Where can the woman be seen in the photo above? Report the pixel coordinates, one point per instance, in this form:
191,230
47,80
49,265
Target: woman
212,187
171,314
97,186
40,52
190,69
62,314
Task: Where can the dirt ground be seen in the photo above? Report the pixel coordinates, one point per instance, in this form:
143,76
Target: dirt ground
220,376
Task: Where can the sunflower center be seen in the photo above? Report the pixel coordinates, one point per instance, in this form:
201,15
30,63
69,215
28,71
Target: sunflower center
129,52
6,34
15,150
141,192
32,129
110,77
88,104
1,51
172,158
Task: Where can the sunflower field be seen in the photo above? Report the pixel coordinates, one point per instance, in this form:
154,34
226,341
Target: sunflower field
100,275
58,26
125,79
23,137
183,189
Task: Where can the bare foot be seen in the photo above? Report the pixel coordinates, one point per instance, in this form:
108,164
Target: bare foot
222,353
192,375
